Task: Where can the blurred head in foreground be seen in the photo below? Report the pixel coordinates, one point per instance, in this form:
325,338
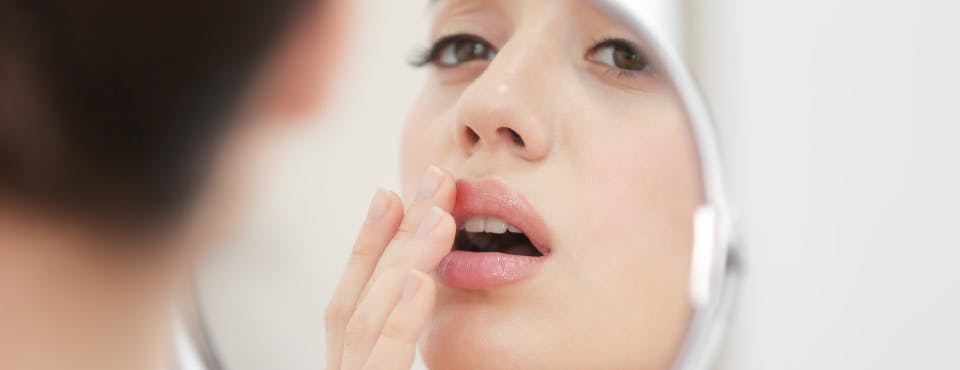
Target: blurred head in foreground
126,133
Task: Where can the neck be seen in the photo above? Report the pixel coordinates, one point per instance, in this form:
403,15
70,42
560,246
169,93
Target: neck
70,299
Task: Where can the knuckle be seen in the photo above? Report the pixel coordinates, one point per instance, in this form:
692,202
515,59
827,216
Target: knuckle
411,221
358,327
361,257
396,330
398,267
337,313
405,232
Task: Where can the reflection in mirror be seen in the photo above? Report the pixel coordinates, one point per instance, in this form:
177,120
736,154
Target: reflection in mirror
578,180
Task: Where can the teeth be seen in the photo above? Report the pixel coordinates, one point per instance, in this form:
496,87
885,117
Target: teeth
475,225
493,225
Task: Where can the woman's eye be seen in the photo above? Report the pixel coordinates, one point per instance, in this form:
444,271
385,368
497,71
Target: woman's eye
618,53
454,50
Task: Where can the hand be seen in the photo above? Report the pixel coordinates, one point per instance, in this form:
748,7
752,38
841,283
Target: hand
385,296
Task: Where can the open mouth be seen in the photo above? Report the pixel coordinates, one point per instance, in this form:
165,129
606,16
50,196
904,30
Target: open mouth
491,234
501,240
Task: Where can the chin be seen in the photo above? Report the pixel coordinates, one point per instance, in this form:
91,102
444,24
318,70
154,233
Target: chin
493,331
482,335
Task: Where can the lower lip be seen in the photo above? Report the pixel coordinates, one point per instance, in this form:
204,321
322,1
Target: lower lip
486,270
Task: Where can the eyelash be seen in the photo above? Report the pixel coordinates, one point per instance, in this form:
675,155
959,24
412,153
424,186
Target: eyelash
616,42
429,54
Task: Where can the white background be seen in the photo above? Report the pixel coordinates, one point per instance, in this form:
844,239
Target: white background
840,138
841,129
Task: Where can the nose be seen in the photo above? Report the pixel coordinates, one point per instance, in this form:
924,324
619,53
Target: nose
504,109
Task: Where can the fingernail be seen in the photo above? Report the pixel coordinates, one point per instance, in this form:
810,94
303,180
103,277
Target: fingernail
378,205
429,183
412,285
429,222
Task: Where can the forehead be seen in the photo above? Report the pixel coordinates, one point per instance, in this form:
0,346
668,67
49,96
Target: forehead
607,8
585,16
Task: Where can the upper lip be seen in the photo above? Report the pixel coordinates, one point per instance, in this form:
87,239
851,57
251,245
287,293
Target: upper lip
492,197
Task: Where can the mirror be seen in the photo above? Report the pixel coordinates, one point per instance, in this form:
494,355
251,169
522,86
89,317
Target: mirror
592,226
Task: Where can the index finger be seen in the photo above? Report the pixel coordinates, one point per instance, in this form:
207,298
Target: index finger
438,189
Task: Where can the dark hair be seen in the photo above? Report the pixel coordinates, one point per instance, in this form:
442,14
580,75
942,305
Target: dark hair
110,108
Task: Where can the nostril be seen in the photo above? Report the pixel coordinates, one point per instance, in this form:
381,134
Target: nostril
513,135
472,136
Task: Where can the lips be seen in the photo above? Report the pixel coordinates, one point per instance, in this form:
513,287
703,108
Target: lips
500,240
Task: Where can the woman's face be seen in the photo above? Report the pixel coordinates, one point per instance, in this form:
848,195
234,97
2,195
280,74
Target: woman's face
557,122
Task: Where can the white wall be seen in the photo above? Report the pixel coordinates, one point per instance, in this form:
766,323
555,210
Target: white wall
841,130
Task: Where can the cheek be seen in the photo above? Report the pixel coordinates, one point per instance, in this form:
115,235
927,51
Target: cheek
648,170
427,140
641,196
639,192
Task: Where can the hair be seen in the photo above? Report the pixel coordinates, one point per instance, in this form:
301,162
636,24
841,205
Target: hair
112,108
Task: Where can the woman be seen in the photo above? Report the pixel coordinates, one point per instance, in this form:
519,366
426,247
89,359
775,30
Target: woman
569,185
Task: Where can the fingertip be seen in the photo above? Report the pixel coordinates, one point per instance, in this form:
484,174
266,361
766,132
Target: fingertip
436,243
395,200
378,205
385,205
436,221
447,223
431,183
447,194
437,187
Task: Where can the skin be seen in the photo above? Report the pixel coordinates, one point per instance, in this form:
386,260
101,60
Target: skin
607,160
